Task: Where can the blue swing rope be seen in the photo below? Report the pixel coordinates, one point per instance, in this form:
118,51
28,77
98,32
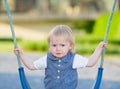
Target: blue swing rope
100,69
24,82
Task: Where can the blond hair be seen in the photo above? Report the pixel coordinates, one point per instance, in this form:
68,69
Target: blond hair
63,30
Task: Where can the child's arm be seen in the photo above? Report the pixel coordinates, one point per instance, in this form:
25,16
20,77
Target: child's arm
26,61
92,60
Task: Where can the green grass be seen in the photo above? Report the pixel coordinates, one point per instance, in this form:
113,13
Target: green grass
6,44
35,45
6,47
84,45
102,22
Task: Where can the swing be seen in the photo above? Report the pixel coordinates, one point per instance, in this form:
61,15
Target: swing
23,79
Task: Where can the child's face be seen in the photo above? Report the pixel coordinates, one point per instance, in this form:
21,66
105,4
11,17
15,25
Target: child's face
59,46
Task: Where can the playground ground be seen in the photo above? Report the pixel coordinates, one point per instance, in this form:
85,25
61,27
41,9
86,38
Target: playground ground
9,77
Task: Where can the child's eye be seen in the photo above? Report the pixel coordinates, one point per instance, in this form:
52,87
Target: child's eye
54,45
62,45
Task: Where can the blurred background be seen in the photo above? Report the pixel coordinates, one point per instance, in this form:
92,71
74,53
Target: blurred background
32,21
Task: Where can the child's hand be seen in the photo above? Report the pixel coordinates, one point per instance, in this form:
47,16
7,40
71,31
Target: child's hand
17,51
96,54
103,44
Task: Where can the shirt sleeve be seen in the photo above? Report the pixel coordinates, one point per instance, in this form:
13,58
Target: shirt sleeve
79,61
41,63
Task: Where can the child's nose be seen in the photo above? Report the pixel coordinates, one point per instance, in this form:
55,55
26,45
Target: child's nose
58,47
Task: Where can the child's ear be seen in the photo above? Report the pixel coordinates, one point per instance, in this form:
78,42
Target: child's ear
70,48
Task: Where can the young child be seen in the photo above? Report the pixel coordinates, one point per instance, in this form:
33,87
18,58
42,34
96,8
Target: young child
61,62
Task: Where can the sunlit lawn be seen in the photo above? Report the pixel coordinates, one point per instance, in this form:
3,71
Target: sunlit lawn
84,45
6,47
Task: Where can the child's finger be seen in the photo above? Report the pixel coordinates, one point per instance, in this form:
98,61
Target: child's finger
105,45
17,50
